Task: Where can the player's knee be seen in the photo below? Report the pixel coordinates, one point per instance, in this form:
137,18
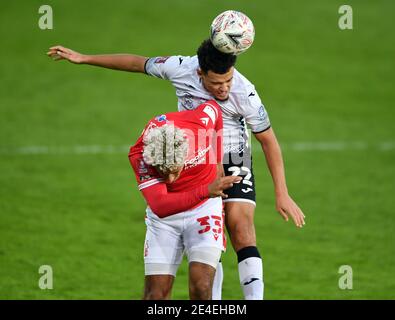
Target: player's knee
201,289
240,223
242,235
157,287
156,294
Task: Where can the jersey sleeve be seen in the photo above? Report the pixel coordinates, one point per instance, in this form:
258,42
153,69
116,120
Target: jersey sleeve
164,203
254,112
163,67
146,175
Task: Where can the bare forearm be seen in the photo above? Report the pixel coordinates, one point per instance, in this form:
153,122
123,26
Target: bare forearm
124,62
284,203
275,164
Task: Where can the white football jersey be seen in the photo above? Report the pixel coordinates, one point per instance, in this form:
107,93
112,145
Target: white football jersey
243,106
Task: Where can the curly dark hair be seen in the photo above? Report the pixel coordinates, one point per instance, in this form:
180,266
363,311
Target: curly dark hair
212,59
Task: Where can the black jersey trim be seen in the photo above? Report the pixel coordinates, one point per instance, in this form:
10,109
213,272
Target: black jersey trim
262,130
145,66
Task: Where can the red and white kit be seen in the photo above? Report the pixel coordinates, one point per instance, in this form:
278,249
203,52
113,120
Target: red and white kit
180,216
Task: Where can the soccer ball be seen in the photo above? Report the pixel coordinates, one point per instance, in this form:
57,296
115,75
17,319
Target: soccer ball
232,32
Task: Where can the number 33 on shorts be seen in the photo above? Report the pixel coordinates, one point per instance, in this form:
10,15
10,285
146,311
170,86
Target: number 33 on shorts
205,223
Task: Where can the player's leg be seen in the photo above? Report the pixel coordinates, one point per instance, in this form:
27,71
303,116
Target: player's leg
239,221
239,213
240,225
201,277
204,243
158,287
163,252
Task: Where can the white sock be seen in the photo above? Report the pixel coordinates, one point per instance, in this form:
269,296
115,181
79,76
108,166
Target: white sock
251,278
217,284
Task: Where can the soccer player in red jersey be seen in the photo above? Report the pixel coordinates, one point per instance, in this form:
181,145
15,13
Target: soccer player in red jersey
175,161
208,75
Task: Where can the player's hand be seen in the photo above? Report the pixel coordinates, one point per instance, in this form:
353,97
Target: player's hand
220,170
220,184
62,53
288,208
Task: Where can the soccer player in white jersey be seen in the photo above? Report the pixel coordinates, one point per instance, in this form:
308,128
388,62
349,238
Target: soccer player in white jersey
211,74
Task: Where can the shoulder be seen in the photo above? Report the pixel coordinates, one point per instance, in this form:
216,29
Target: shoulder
175,62
211,109
241,85
185,65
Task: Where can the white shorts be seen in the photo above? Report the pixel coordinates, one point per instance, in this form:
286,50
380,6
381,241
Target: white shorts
198,232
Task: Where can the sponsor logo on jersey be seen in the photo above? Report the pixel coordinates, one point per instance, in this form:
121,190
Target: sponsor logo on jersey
262,113
234,148
161,59
198,159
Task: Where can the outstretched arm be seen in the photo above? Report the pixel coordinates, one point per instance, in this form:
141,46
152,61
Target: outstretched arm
124,62
285,205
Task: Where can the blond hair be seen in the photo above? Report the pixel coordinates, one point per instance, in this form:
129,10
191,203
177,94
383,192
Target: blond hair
165,148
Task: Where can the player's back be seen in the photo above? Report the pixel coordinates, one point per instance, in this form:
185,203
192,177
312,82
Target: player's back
205,150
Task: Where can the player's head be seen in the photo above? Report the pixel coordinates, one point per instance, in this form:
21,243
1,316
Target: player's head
166,148
216,69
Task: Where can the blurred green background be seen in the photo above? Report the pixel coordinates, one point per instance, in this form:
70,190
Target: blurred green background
68,196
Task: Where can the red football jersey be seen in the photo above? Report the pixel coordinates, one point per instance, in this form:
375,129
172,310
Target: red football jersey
203,127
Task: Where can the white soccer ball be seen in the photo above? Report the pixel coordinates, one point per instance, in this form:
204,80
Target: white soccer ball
232,32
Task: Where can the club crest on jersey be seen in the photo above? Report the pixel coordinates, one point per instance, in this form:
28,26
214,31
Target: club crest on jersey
161,118
187,102
142,168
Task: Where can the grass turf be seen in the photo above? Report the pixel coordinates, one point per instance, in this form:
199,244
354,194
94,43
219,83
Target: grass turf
82,213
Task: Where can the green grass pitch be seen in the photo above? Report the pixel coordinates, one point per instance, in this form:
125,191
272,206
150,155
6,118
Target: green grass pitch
330,96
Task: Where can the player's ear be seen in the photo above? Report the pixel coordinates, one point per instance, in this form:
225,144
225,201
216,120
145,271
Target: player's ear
199,72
